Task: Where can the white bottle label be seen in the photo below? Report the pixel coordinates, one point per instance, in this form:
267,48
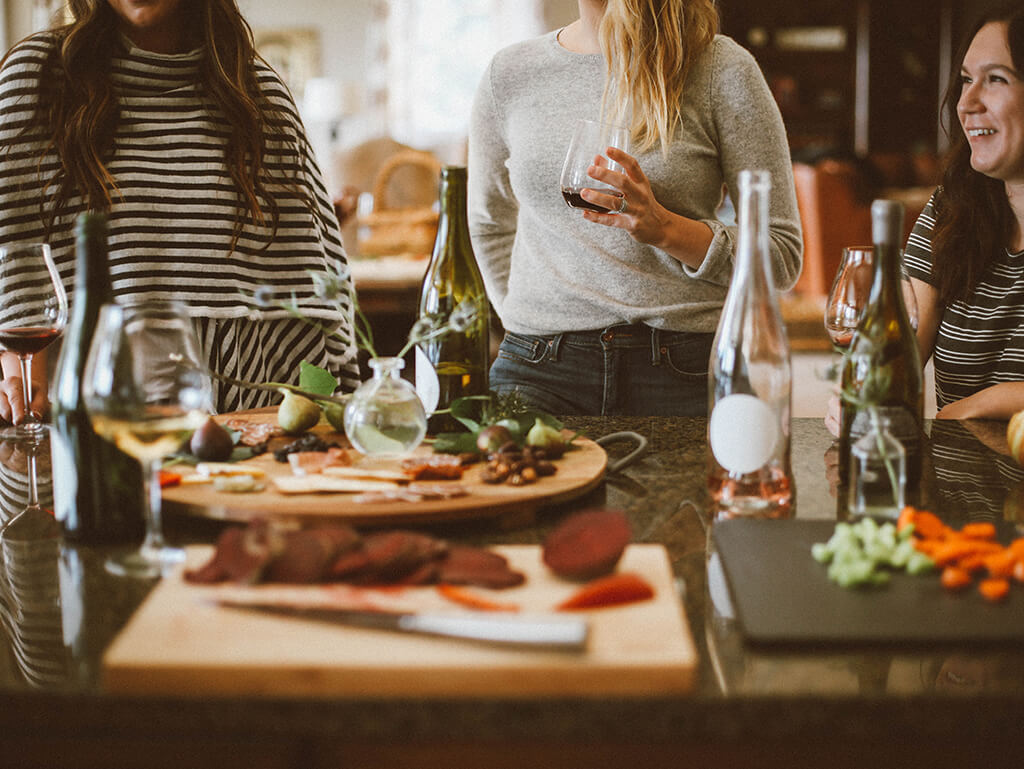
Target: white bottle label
428,386
65,476
743,432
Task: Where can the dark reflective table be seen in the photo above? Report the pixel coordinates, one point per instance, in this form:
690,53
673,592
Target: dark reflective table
751,707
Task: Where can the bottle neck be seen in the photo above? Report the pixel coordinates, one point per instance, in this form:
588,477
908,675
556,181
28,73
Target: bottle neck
752,248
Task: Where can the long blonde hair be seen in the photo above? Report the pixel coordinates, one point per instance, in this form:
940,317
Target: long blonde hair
649,47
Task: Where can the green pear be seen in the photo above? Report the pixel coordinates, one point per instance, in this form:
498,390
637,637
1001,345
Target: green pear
296,414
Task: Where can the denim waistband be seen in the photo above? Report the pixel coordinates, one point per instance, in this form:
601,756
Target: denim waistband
628,335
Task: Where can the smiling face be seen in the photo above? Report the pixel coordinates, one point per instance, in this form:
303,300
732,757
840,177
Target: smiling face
154,25
991,105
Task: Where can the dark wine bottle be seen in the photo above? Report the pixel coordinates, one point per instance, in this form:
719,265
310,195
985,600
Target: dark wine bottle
97,489
453,364
881,371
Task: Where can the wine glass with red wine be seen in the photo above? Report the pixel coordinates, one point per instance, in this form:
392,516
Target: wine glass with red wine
590,142
33,313
849,296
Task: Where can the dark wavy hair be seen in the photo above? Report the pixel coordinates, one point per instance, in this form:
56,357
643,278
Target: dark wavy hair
80,113
974,220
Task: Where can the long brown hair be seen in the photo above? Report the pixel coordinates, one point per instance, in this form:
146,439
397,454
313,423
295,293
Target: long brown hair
649,47
974,220
80,112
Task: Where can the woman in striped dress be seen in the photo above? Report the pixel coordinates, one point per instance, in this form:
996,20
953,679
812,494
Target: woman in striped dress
162,115
966,253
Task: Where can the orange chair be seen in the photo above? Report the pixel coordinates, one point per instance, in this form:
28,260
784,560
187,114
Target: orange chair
832,217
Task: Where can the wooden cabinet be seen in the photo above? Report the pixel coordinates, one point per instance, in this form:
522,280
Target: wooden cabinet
859,77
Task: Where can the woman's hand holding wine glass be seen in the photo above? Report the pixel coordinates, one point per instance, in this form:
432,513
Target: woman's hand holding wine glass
146,390
33,313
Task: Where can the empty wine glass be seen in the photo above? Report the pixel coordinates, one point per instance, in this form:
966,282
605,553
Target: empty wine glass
33,313
590,141
146,390
849,296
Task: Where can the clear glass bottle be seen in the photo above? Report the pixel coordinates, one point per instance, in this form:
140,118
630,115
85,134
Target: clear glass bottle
384,416
881,371
750,377
454,364
878,472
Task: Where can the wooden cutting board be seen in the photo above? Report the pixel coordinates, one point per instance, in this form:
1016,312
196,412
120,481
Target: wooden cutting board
579,471
179,642
781,595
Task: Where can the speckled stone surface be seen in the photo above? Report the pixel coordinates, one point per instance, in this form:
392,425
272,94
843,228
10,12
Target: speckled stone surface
819,699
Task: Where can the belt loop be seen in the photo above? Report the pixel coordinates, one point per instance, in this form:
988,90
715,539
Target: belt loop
655,347
554,346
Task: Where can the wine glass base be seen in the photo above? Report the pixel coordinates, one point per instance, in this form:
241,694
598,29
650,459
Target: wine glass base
30,431
145,563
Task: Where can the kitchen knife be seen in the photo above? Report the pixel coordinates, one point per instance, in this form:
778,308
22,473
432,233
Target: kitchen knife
529,630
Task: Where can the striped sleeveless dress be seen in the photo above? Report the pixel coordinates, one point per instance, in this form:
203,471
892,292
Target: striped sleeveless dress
173,218
980,340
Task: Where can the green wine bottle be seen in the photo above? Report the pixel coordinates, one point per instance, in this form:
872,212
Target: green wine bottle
881,371
97,489
453,364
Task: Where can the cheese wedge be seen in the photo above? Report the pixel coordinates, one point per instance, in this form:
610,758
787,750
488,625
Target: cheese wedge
319,483
367,474
210,469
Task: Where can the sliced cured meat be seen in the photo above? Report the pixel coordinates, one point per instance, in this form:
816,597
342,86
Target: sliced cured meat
308,553
588,544
433,467
241,555
394,555
253,433
310,462
464,565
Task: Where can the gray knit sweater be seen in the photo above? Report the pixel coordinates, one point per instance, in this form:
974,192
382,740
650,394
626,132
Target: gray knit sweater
548,270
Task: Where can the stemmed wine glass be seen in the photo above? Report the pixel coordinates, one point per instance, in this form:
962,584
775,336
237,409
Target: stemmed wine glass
849,296
590,141
33,313
146,390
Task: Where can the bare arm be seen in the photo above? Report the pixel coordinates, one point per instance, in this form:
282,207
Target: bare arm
929,315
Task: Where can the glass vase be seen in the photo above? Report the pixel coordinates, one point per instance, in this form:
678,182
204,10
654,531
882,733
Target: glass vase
384,417
878,472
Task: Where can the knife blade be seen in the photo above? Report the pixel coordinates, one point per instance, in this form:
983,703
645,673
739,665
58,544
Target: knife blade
527,630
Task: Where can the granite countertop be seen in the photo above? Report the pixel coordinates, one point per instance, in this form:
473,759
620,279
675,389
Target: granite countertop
822,700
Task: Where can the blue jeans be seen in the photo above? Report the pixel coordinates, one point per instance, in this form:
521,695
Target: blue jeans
621,370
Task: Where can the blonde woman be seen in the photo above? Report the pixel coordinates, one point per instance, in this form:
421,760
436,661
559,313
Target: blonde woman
615,313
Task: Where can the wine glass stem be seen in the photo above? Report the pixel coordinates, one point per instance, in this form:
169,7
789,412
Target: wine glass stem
26,384
154,541
33,483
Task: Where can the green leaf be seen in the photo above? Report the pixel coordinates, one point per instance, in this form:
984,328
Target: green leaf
316,380
469,411
455,443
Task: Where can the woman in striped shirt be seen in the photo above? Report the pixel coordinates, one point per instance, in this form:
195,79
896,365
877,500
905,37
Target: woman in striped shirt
966,253
162,115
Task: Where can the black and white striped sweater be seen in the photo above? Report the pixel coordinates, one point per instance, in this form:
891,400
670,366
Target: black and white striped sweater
174,211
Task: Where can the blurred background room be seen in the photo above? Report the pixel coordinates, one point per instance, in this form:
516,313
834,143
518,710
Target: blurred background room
385,88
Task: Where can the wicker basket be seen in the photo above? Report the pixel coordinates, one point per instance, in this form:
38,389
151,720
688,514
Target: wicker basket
387,230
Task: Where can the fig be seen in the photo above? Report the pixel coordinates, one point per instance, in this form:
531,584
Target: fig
544,436
297,413
211,442
492,438
335,414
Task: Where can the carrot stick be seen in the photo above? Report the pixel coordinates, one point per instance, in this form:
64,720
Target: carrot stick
994,589
609,591
469,599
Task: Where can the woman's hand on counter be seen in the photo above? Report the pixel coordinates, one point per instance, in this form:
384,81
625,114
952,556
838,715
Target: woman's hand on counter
644,218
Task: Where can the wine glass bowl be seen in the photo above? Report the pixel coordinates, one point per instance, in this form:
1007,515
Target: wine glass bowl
33,313
146,390
590,141
849,295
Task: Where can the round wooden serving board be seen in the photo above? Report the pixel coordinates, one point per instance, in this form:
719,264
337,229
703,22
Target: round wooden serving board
579,471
